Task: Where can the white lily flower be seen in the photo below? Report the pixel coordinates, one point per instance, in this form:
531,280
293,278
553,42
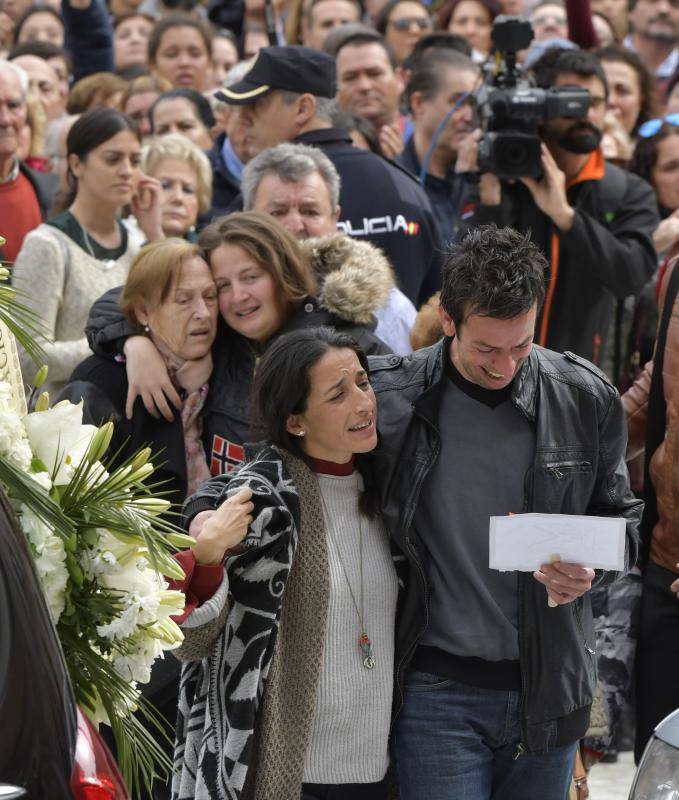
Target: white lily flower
59,439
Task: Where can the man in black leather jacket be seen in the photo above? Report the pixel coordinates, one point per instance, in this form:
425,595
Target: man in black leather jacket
494,687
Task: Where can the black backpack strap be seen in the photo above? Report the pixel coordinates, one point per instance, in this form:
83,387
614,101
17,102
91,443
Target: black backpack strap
611,191
656,415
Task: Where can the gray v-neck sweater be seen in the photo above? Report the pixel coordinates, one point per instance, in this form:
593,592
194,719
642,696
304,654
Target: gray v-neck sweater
486,450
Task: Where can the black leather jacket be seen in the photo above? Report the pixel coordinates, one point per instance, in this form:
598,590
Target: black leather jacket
579,468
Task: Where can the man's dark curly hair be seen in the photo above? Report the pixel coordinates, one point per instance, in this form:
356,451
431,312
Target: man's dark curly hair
493,272
558,61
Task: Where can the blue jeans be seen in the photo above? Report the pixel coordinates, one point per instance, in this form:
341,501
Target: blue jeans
458,742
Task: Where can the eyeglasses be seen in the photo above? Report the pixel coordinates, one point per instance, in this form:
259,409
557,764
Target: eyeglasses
405,23
652,127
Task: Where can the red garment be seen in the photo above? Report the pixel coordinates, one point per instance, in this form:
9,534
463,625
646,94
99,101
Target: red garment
580,26
661,274
200,583
332,467
19,214
37,163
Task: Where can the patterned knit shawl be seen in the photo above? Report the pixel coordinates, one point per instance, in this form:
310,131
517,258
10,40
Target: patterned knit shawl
232,740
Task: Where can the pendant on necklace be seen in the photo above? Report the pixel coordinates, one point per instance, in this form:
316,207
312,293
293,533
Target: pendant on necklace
367,650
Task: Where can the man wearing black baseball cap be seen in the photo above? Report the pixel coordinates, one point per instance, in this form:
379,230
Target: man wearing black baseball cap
289,69
288,96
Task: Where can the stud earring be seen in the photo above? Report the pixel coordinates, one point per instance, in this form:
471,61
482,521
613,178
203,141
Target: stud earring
145,327
301,433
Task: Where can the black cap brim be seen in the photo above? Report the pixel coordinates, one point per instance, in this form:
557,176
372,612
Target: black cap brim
242,92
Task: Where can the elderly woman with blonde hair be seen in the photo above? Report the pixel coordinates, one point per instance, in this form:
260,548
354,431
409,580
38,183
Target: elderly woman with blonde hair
185,178
171,297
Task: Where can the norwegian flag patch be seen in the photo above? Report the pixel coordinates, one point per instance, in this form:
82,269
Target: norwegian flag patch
225,455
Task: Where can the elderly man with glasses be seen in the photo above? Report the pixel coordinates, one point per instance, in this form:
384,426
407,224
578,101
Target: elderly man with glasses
25,195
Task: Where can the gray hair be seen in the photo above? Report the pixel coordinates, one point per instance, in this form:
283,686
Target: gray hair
291,163
326,107
21,74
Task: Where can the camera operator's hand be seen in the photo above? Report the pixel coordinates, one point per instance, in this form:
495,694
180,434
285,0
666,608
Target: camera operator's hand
549,192
468,153
490,188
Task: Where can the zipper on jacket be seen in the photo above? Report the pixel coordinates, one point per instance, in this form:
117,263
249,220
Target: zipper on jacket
520,750
559,468
577,614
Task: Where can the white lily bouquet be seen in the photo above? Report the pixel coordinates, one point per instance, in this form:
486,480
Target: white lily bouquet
102,547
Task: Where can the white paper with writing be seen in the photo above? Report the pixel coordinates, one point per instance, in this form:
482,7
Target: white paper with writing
526,541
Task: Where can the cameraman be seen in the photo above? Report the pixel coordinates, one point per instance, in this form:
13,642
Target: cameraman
593,220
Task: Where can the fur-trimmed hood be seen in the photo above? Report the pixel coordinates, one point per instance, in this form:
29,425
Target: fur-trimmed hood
354,277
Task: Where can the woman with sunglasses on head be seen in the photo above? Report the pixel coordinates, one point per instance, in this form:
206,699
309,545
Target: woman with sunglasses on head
656,160
403,23
64,265
292,647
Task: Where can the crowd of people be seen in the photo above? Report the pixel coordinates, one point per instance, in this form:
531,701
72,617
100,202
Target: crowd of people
273,221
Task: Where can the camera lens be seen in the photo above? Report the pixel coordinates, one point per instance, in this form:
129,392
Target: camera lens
514,154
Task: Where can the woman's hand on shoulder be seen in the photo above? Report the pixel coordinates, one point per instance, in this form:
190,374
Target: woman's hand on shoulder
147,378
216,532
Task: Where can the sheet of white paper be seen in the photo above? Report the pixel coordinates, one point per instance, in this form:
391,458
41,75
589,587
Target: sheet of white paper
526,541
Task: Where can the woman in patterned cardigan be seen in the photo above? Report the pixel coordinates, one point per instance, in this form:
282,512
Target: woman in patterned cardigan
287,683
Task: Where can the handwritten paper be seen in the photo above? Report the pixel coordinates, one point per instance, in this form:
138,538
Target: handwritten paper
524,542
